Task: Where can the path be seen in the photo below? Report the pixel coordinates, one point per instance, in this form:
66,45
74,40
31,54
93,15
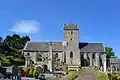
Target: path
87,75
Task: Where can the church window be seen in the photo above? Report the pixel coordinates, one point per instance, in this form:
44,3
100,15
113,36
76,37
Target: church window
93,56
71,38
28,54
71,32
39,58
71,54
56,55
67,43
64,57
44,59
47,58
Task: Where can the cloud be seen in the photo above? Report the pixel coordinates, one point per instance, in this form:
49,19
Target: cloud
26,26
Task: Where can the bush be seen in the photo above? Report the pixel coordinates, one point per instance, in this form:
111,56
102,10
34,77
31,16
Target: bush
114,76
31,71
20,69
35,73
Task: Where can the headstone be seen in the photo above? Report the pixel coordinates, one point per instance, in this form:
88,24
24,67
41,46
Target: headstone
39,69
15,71
3,70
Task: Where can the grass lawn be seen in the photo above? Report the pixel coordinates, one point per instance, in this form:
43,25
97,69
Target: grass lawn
100,76
72,75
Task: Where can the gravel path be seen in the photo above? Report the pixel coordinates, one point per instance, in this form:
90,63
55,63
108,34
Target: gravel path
86,76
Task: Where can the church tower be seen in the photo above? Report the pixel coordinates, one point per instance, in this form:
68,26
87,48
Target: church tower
71,37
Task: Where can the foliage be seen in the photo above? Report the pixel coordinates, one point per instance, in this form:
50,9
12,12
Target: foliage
114,76
11,47
109,52
28,72
20,68
31,71
35,72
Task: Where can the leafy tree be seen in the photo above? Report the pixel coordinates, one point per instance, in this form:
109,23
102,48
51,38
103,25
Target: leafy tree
109,54
12,45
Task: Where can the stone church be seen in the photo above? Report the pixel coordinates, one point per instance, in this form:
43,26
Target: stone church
69,51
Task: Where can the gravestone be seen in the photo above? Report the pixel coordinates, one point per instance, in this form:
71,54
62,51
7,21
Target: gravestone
39,69
3,70
15,72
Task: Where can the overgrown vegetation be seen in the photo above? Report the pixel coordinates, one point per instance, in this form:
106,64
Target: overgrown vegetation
10,49
114,76
29,72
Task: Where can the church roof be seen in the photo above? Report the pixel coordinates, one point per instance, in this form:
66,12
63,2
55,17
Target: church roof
57,46
91,47
70,27
43,46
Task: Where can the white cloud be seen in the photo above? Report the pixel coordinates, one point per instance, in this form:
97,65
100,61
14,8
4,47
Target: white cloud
26,26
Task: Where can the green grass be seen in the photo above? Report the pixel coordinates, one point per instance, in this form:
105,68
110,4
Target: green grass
72,75
100,76
52,79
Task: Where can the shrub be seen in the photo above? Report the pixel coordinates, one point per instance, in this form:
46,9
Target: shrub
20,69
35,73
31,71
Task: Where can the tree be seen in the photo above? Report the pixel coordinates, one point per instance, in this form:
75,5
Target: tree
109,54
12,45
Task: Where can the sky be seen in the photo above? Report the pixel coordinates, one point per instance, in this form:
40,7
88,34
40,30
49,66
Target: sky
42,20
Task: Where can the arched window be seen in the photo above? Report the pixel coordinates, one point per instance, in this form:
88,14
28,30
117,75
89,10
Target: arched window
67,43
56,55
71,54
64,57
39,57
71,32
93,56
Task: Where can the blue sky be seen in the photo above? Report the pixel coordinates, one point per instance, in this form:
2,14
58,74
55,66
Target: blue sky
98,20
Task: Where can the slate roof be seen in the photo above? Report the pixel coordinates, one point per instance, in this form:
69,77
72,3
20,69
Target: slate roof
57,46
91,47
70,26
43,46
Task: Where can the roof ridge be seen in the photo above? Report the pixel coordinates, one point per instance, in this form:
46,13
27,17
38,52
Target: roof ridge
45,41
92,42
